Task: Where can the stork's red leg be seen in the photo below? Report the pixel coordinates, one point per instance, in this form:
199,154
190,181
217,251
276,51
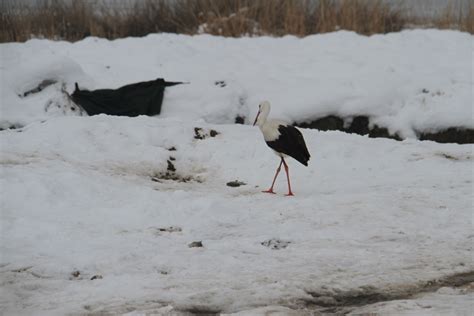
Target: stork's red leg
287,177
274,179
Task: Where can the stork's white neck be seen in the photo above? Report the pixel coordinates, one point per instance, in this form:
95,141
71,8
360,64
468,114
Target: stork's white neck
264,110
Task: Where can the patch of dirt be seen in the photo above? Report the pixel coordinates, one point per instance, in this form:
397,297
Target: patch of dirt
324,302
382,132
275,244
10,126
202,311
235,183
454,158
327,123
195,244
172,174
144,307
220,83
170,229
40,87
170,167
343,302
64,105
75,275
200,133
22,269
450,135
240,119
160,230
361,125
28,271
353,125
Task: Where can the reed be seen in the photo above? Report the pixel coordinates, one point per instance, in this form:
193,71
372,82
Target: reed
72,21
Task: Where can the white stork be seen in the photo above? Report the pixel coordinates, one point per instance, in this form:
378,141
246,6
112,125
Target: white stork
284,139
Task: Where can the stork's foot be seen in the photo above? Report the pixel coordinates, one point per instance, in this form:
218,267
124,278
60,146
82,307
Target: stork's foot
269,191
290,194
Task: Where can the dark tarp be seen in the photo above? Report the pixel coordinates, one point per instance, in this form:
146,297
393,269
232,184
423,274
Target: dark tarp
142,98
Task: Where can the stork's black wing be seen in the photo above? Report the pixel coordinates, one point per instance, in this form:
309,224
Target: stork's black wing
291,143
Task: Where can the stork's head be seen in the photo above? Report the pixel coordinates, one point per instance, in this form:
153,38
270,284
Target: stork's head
263,110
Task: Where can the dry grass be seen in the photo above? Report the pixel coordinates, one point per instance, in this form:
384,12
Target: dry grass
296,17
460,18
55,19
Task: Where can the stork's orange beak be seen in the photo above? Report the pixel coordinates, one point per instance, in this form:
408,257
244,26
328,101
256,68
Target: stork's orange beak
256,118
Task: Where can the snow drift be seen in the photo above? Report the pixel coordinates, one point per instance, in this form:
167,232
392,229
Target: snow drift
410,82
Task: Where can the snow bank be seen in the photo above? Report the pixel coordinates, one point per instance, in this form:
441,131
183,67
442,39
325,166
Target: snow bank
23,70
410,82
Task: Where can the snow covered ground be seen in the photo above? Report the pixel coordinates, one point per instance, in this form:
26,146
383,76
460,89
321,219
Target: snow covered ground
98,213
78,195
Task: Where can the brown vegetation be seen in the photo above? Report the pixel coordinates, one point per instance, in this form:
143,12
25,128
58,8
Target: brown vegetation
452,18
75,20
